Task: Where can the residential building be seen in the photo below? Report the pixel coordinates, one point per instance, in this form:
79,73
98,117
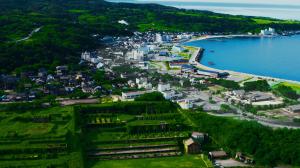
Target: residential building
294,108
198,136
191,146
217,155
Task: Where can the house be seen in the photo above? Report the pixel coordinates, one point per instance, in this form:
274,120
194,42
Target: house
198,136
294,108
191,146
217,155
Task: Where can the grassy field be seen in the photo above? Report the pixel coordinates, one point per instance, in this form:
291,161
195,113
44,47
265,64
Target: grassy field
294,86
187,161
40,138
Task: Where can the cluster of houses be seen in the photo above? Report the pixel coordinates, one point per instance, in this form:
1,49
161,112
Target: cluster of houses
195,144
62,81
164,88
254,97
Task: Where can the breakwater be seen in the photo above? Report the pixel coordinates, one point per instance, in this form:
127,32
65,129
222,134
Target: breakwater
199,54
196,57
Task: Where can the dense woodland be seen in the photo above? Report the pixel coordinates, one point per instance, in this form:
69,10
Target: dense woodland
67,28
268,146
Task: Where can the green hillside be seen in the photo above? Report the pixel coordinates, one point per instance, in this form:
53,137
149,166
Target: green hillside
66,27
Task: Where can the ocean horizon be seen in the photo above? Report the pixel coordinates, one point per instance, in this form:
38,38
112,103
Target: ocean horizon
278,11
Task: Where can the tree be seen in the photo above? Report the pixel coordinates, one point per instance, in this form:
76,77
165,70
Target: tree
154,96
287,92
260,85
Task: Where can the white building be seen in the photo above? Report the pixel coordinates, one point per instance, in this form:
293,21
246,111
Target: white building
90,57
168,94
158,38
268,32
123,22
133,95
294,108
135,55
143,83
178,49
162,38
185,103
163,87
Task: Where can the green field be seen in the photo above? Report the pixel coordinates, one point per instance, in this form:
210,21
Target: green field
187,161
294,86
39,138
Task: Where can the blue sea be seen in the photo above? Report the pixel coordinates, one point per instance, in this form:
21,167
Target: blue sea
284,11
277,57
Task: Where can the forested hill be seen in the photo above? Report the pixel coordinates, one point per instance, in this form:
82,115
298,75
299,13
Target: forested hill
67,26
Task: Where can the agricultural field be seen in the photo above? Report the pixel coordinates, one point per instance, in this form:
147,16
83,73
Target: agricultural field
39,138
120,134
133,130
294,86
187,161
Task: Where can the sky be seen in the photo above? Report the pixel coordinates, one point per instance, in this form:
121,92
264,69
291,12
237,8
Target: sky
279,2
280,9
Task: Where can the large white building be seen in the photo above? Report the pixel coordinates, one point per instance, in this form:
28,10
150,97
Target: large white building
162,38
158,38
163,87
90,57
133,95
268,32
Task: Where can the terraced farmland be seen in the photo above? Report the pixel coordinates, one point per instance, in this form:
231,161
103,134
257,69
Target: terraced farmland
133,134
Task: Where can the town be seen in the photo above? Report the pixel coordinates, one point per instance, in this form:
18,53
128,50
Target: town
125,69
128,67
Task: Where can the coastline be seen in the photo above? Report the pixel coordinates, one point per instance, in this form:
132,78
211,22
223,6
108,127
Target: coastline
195,61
